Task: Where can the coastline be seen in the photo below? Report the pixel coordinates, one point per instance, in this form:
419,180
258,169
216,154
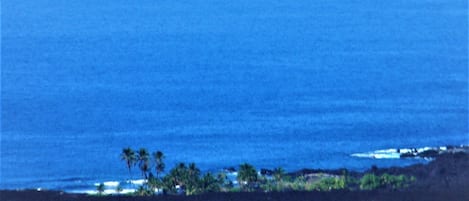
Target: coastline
444,178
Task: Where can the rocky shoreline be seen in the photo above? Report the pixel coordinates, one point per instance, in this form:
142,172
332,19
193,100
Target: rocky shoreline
427,153
432,152
444,178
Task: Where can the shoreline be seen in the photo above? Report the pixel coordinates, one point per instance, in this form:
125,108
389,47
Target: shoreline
444,177
408,156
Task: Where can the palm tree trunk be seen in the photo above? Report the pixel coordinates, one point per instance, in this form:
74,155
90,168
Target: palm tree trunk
130,175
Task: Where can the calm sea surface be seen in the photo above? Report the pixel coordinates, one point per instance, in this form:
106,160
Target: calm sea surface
298,84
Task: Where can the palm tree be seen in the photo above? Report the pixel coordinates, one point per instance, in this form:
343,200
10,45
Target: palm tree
193,170
143,159
142,191
128,155
208,183
119,188
158,157
224,182
192,180
100,189
154,183
247,176
180,173
278,174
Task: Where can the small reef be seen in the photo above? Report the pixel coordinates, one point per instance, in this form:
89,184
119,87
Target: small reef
424,153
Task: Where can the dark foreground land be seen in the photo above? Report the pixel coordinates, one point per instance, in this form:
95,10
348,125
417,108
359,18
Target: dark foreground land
411,195
444,179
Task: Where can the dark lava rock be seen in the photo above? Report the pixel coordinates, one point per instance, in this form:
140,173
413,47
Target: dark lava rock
408,155
267,172
229,169
429,153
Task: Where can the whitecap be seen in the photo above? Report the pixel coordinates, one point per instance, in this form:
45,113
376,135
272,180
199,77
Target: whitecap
386,155
84,191
405,151
379,154
138,181
111,183
420,150
386,151
106,191
127,191
363,155
232,174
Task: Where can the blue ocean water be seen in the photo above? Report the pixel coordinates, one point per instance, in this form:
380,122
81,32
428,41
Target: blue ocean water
297,84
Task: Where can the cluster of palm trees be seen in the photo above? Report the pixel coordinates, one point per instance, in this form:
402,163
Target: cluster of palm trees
142,159
247,176
180,179
183,178
187,179
250,180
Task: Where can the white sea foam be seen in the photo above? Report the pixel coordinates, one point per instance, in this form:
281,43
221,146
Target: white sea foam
90,192
379,154
232,174
137,182
396,153
106,191
108,183
126,191
363,155
404,151
386,155
111,183
419,150
386,151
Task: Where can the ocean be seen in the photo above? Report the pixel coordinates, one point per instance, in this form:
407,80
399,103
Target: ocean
296,84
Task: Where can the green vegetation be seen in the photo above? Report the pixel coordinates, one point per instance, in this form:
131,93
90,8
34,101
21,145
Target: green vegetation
247,177
143,159
159,167
119,188
371,181
278,174
188,179
100,189
330,183
128,155
143,191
